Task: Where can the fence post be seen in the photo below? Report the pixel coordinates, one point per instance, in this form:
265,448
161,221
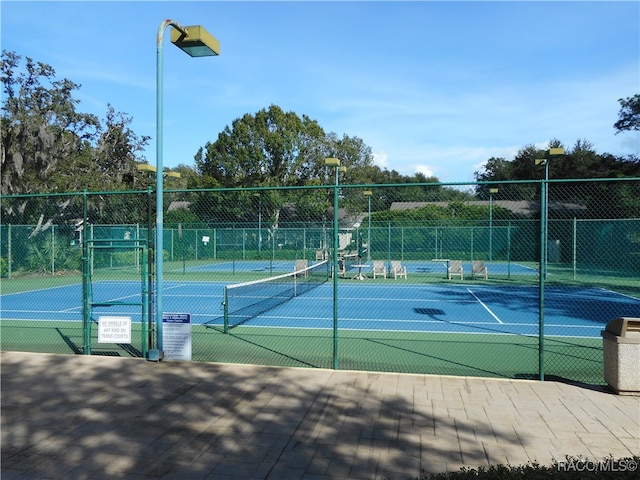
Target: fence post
542,276
9,253
86,280
53,249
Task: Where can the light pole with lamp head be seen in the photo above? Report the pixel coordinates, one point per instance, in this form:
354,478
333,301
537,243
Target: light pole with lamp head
544,220
196,42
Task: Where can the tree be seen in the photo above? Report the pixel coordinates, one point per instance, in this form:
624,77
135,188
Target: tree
118,150
49,146
270,148
40,125
629,115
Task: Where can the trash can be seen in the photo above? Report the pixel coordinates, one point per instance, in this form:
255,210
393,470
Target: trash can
621,349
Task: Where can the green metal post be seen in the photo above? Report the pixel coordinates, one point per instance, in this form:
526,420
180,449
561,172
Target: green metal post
490,225
141,248
86,280
389,246
509,250
369,232
159,247
336,246
149,270
543,275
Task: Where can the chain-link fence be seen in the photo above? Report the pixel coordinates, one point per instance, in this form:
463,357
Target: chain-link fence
512,279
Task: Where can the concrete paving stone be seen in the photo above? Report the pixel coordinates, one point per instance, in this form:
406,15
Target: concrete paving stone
288,473
137,420
498,454
320,465
473,453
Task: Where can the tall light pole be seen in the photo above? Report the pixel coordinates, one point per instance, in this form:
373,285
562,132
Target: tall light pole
368,193
196,42
335,162
544,221
492,192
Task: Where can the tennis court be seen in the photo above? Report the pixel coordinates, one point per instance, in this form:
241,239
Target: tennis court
422,324
376,305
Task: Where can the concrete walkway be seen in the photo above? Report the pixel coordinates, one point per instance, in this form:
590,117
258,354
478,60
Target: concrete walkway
77,417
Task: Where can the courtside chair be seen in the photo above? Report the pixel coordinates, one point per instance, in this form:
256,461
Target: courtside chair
455,268
379,270
480,269
301,265
398,269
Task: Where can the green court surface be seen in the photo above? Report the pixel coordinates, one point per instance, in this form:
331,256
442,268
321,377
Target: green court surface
508,356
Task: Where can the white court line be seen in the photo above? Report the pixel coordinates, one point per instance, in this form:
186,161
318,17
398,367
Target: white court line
485,307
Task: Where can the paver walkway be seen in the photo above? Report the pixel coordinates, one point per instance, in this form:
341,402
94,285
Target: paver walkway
91,417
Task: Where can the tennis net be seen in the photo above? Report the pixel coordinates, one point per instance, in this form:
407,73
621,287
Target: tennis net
244,301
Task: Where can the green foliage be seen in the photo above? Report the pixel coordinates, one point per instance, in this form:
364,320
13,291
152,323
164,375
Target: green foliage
173,218
4,267
629,115
40,125
452,211
45,256
270,148
580,161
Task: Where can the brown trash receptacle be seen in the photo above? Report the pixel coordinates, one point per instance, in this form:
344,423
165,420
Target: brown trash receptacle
621,349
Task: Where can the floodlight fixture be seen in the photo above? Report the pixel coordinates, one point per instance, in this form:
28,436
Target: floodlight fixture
556,152
195,41
145,167
332,162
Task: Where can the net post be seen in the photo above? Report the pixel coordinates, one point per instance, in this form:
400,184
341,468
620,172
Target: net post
225,307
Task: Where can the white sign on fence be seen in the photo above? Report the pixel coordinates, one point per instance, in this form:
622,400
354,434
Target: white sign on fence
114,329
176,336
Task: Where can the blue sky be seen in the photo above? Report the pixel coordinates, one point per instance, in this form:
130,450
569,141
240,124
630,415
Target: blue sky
434,87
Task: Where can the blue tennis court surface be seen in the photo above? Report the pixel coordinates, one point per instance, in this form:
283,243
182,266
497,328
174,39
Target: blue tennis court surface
459,308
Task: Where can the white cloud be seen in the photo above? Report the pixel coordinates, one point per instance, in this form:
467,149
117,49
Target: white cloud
381,159
425,170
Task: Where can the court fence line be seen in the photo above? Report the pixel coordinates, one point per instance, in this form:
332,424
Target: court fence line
585,238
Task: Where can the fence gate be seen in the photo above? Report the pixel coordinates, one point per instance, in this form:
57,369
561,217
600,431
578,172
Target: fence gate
105,264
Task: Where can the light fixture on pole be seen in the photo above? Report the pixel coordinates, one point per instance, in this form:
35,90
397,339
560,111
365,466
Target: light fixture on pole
492,192
196,42
145,167
335,163
368,193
